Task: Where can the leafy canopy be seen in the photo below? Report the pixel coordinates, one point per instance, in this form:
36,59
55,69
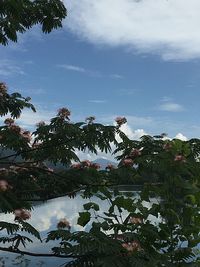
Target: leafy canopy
16,16
157,226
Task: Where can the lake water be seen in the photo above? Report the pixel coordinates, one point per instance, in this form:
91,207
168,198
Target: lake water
45,217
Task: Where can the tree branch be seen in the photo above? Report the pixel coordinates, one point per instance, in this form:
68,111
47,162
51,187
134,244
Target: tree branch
17,251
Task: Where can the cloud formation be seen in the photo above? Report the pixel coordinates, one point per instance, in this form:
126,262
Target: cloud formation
9,68
171,107
93,73
72,68
166,28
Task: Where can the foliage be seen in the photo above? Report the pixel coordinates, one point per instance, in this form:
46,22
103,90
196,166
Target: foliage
155,226
16,16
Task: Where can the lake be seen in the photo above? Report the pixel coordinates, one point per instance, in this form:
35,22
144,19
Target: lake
44,218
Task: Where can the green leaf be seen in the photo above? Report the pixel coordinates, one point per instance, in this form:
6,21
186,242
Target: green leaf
91,205
84,218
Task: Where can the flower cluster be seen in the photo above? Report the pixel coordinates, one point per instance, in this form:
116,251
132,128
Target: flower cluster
3,89
22,214
9,121
120,121
128,162
63,223
132,246
64,113
167,146
26,135
136,220
180,158
86,164
4,186
90,119
110,167
135,153
15,128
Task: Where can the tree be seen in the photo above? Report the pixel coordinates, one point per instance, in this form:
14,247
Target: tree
123,235
16,16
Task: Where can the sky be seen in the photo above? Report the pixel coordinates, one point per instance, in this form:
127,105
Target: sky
138,59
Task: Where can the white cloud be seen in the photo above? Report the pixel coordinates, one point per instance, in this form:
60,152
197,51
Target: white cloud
132,134
72,68
9,68
97,101
93,73
167,28
33,91
30,119
181,137
172,107
116,76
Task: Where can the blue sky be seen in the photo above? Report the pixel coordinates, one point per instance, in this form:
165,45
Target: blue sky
114,58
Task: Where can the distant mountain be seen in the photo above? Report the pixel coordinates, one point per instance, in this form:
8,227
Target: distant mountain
104,163
59,166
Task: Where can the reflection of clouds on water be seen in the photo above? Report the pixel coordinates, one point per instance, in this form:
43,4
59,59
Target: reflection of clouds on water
46,216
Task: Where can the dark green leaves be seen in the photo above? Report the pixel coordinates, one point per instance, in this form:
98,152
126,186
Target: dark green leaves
84,218
17,16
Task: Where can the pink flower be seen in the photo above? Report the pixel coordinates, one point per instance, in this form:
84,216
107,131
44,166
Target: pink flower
3,89
132,246
26,135
86,163
110,167
167,146
95,166
22,214
120,121
136,220
9,121
76,166
128,162
64,113
15,128
4,186
135,153
180,158
63,223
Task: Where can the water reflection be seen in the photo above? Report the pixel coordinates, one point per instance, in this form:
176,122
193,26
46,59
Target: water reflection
45,217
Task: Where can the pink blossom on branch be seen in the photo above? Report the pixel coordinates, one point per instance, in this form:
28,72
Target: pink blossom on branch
15,128
95,166
63,223
4,186
64,113
3,89
9,121
136,220
128,162
110,167
22,214
167,146
180,158
135,152
132,246
120,121
86,163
